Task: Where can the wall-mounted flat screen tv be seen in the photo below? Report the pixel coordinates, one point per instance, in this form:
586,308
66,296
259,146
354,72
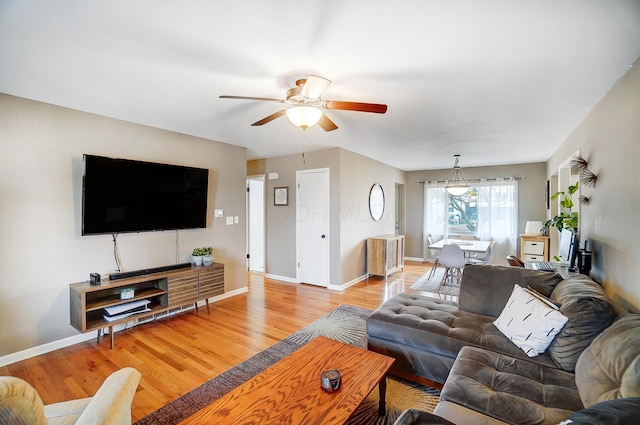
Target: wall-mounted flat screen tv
123,195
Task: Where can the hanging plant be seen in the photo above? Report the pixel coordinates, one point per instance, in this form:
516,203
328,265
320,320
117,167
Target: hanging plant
566,219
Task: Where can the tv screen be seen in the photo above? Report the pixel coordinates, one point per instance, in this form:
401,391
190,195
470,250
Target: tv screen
123,195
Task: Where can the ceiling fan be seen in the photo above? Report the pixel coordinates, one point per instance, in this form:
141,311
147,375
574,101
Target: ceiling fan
306,105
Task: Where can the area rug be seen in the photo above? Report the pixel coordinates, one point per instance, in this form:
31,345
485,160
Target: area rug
431,285
345,324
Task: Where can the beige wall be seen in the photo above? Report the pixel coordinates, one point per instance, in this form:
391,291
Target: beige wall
609,138
531,195
280,221
352,176
41,149
358,174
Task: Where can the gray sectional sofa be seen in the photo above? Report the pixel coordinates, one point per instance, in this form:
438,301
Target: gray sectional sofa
489,380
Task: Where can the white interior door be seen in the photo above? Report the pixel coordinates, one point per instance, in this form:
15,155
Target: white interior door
255,224
312,229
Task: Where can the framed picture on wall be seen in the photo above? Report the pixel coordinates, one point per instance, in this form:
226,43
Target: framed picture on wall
281,195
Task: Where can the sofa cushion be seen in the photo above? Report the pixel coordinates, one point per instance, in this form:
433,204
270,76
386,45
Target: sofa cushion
511,390
610,367
498,281
528,322
622,411
589,311
437,326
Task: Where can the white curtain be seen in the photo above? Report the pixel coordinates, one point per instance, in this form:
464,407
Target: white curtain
435,213
497,208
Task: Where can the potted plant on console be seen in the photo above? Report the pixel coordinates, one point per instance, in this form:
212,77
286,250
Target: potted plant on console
197,255
207,256
202,256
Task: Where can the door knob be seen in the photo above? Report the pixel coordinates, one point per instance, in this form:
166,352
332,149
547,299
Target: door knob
323,236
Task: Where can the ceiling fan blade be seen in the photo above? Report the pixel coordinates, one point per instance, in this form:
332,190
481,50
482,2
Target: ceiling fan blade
326,123
314,86
270,118
266,99
356,106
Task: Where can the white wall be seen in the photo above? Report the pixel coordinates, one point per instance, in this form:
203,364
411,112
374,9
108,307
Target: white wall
41,250
609,138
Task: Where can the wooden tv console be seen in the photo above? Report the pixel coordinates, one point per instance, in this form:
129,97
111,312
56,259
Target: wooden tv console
165,291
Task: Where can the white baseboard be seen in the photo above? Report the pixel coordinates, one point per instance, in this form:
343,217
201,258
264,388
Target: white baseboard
76,339
420,260
46,348
345,285
283,278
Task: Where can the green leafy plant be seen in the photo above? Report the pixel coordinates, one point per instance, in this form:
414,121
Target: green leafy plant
205,250
198,252
566,219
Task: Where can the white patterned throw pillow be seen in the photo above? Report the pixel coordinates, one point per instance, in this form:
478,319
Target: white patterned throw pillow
528,322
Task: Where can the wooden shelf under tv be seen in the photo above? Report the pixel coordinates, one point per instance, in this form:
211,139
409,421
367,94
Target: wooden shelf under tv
165,290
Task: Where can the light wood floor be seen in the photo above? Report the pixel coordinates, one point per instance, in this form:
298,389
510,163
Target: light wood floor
179,353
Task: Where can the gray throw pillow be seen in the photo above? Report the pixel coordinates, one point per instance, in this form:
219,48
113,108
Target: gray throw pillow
485,289
589,311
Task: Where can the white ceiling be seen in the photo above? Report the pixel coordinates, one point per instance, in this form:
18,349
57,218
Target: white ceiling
497,81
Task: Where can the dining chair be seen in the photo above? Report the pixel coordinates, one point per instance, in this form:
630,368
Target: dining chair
452,258
484,259
435,253
514,261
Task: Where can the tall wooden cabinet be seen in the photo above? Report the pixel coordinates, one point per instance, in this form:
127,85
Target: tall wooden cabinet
163,291
385,255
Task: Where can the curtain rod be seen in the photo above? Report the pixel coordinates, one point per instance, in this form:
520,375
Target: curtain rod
480,180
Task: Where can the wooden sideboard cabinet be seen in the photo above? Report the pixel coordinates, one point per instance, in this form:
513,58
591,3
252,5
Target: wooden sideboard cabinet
385,255
164,291
534,248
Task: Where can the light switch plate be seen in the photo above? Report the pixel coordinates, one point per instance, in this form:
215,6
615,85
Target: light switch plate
229,220
236,219
218,213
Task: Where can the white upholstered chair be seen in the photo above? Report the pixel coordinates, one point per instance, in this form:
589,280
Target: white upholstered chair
452,258
484,259
20,403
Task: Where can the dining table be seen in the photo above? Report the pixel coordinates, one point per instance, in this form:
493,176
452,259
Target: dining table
467,246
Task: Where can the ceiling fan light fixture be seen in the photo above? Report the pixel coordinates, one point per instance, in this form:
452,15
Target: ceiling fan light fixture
456,184
304,116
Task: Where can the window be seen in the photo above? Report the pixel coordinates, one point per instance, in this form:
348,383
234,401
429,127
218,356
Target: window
462,212
488,211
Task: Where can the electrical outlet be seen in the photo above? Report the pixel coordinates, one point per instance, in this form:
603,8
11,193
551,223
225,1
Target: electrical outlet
236,219
218,213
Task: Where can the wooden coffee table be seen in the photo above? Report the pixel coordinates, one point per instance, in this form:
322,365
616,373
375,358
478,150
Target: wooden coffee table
290,392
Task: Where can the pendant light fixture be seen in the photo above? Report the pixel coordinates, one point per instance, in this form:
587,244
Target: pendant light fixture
304,116
456,184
